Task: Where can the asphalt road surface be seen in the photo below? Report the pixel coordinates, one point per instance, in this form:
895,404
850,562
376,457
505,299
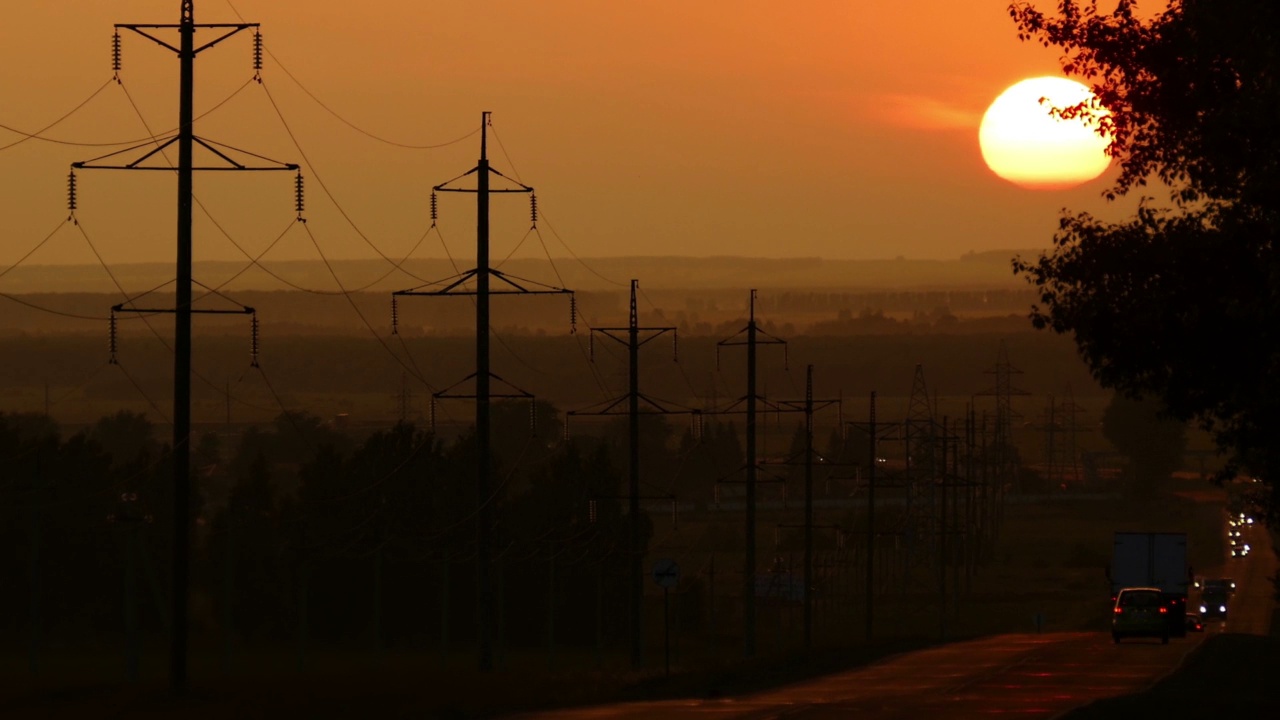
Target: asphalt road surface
1024,676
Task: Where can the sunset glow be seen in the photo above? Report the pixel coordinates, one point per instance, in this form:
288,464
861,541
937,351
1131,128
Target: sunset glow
1022,143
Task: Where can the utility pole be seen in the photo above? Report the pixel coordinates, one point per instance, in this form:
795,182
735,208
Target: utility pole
808,406
481,275
871,516
186,139
752,341
635,551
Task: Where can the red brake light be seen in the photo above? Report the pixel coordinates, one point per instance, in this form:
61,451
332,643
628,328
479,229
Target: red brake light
1120,610
1164,610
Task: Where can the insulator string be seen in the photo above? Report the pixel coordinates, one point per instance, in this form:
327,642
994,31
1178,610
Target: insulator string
112,339
395,315
299,196
257,56
71,195
115,52
253,340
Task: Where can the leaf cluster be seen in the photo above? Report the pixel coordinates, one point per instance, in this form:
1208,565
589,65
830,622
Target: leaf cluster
1180,302
1192,92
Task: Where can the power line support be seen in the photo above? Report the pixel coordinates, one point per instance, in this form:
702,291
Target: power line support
871,516
185,137
808,406
635,551
481,275
752,341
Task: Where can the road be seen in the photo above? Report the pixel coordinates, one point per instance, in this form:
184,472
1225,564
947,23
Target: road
1025,676
1251,606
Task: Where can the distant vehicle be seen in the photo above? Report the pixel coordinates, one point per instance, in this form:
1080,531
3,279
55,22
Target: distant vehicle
1153,560
1225,585
1194,623
1213,604
1141,612
1239,551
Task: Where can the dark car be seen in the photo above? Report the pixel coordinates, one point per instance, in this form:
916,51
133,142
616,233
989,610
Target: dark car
1194,623
1213,604
1140,612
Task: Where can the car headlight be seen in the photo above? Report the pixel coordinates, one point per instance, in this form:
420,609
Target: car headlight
1222,608
1202,608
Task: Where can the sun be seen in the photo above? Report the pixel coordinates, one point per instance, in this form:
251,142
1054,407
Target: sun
1022,143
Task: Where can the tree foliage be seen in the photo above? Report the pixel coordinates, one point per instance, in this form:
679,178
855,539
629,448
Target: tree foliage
1153,442
1179,301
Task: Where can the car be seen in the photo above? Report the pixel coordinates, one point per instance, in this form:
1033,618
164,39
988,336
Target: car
1140,612
1213,604
1194,623
1239,551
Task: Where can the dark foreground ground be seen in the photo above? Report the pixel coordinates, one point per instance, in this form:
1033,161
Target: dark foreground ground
1228,676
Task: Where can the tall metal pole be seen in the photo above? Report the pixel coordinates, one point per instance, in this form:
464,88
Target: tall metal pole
942,542
635,547
871,515
808,508
749,560
484,585
633,500
182,357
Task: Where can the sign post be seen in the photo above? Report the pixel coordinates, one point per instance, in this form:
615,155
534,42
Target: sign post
666,573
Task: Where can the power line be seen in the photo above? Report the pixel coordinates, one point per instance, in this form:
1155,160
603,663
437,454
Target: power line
323,186
117,143
55,123
348,123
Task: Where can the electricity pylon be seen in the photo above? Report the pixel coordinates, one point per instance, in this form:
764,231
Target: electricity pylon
1004,391
752,341
460,285
186,140
808,406
633,396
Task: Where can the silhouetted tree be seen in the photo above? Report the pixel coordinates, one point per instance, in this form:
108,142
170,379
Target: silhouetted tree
1179,301
125,435
1153,442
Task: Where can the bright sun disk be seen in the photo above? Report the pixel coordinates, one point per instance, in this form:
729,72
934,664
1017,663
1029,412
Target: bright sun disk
1022,143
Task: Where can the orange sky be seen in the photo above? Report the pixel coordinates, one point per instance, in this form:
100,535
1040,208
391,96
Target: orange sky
711,127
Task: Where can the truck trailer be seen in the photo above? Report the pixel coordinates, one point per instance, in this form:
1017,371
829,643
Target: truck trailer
1154,560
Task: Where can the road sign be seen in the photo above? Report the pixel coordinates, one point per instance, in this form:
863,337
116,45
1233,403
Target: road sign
666,573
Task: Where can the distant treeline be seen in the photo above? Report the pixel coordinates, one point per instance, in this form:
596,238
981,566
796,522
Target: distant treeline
302,527
694,312
972,270
371,378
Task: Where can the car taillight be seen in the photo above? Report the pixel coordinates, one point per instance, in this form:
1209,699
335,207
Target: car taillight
1119,610
1164,610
